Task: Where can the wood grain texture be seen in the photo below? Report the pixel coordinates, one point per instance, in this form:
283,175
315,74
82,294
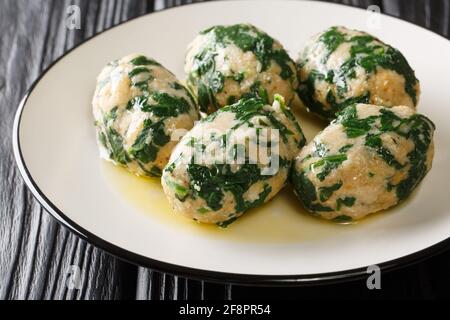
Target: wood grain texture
36,253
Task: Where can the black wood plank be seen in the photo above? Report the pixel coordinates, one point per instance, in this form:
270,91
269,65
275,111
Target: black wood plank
37,255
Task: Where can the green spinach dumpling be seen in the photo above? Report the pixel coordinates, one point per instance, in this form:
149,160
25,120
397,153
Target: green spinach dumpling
340,67
138,104
226,63
368,159
235,159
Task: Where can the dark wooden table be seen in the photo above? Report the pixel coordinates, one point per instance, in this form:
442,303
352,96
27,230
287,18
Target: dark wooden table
36,252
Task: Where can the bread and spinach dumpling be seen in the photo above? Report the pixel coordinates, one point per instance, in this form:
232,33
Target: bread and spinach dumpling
340,67
137,106
235,159
226,63
368,159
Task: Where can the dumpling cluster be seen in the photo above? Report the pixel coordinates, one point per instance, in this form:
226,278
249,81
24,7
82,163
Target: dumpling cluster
378,149
373,154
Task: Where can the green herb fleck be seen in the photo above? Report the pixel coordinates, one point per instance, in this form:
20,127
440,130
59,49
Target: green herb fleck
144,61
342,219
325,193
347,201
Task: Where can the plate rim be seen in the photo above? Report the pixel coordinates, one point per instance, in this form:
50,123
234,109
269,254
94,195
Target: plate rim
190,272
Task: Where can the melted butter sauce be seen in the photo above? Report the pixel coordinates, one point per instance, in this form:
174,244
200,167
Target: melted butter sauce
281,220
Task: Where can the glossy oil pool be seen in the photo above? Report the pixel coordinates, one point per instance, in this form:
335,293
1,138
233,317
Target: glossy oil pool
281,220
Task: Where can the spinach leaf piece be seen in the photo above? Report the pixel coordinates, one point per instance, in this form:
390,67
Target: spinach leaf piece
325,193
347,201
144,61
342,219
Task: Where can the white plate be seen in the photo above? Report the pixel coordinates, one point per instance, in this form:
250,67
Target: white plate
55,148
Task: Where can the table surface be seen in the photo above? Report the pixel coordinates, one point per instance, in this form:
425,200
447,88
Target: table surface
36,253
